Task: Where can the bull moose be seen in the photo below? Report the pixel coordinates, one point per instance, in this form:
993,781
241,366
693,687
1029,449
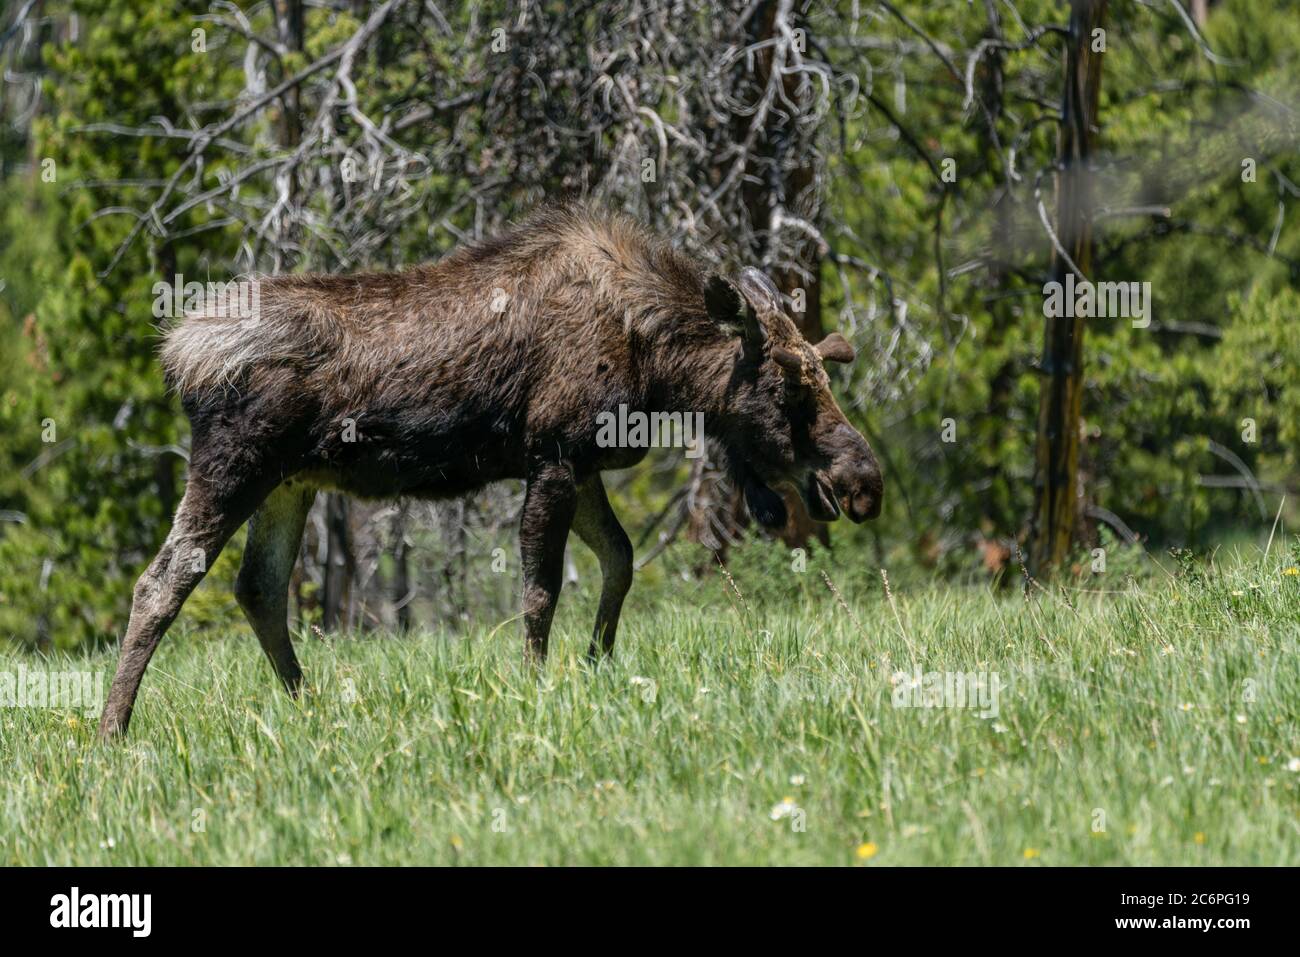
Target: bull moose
492,364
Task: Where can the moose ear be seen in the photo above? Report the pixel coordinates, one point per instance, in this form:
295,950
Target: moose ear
759,290
723,300
727,306
835,348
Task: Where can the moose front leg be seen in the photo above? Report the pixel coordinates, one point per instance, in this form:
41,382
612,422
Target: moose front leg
549,503
598,527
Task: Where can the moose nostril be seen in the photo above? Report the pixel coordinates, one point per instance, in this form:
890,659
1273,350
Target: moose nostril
864,506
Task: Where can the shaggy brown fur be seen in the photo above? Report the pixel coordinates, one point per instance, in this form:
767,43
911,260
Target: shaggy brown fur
492,364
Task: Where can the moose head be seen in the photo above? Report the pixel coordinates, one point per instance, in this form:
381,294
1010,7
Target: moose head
782,426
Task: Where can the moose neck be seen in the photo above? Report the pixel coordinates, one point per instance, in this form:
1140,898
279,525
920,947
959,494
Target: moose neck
693,375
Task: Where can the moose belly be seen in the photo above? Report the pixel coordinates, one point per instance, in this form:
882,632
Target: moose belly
376,456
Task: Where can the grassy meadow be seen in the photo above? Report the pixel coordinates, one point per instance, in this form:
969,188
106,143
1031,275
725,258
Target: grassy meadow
1151,719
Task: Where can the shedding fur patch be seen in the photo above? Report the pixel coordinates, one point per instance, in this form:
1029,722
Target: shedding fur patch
207,350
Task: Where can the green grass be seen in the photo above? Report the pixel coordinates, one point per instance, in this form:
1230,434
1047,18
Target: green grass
1163,711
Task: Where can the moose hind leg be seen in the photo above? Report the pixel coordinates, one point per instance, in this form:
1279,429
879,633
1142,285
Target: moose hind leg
262,588
199,531
600,530
549,503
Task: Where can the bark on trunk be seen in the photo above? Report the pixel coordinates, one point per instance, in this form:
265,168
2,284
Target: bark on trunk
716,519
1056,484
340,563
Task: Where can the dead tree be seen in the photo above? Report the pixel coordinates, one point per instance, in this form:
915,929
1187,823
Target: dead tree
1057,489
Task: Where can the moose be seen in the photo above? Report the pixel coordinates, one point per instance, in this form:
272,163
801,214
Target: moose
491,364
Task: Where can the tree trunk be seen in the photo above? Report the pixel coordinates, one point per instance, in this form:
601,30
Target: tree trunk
1056,483
997,521
716,518
401,586
289,28
796,191
340,562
